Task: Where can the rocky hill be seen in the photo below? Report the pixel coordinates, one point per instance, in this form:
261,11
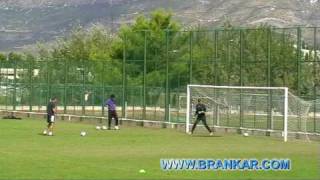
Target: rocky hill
24,22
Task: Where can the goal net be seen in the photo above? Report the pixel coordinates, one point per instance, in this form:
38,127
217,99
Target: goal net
270,109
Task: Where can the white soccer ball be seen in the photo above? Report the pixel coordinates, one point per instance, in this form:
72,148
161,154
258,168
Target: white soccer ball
98,127
104,127
245,134
83,133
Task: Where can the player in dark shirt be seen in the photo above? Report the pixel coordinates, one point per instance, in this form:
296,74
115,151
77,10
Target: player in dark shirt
51,111
201,116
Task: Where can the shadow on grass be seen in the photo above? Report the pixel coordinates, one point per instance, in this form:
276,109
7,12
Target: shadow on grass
41,134
204,135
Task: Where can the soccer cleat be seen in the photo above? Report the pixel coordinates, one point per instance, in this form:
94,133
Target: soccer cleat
211,134
116,128
45,132
50,134
190,133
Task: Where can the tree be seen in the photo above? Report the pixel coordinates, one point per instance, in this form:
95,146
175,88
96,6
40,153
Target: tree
150,33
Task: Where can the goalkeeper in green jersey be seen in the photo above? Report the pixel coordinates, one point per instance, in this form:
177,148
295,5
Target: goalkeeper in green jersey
201,116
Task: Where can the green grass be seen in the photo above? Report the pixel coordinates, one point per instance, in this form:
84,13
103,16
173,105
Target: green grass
25,154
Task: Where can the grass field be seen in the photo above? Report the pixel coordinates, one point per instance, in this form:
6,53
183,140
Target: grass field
26,154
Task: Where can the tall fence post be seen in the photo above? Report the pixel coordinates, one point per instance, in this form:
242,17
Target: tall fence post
103,89
30,85
82,71
241,78
14,83
144,76
269,106
1,71
190,56
167,78
299,43
124,77
47,81
315,43
216,109
65,87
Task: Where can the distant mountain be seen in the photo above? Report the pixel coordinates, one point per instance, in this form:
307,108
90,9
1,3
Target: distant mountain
24,22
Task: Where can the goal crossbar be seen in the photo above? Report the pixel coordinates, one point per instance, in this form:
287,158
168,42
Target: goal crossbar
239,87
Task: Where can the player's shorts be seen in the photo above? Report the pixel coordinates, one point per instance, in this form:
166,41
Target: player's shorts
50,118
201,117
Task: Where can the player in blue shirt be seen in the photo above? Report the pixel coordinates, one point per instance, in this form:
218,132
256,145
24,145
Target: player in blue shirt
112,112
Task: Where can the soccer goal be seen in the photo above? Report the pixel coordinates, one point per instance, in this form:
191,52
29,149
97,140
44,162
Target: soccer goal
269,109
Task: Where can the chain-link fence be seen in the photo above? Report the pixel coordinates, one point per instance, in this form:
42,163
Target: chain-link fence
150,75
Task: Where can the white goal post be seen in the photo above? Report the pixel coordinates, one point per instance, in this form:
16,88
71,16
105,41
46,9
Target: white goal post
247,101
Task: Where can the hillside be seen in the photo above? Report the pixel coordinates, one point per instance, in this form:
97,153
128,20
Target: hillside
25,22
